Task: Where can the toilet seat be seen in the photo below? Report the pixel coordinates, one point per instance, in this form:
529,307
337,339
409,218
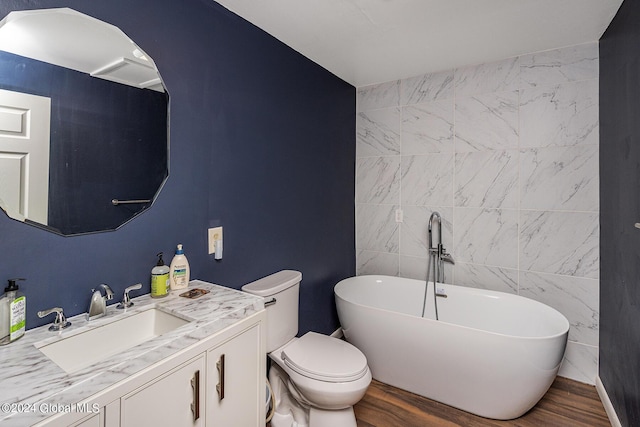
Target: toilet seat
325,358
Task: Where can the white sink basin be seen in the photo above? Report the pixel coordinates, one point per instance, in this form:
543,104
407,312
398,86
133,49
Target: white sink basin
86,348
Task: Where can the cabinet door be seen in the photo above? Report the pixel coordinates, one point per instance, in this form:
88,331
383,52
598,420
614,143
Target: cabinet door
233,382
175,399
93,421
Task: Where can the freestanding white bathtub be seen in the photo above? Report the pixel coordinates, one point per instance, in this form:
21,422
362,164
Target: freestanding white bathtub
491,353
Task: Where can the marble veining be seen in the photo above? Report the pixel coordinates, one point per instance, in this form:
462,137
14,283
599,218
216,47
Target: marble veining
427,87
375,228
427,180
378,132
499,76
563,65
486,277
575,297
486,236
379,96
580,362
560,115
487,122
29,377
560,178
378,179
560,242
487,179
427,128
371,262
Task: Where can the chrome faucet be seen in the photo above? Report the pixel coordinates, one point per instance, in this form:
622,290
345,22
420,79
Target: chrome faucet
98,303
438,251
438,255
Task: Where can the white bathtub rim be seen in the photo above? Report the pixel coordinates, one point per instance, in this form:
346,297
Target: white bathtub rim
566,323
455,325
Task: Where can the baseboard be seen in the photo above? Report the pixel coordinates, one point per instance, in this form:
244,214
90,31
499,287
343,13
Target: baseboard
606,402
337,333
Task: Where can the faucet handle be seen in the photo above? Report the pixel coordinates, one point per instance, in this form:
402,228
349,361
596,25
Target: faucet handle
126,301
446,256
60,321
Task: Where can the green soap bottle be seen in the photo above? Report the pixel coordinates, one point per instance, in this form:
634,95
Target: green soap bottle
160,279
13,309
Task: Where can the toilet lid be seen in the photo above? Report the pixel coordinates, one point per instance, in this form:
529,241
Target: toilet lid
325,358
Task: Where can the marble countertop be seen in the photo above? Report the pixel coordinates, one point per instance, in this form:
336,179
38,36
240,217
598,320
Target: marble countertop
29,380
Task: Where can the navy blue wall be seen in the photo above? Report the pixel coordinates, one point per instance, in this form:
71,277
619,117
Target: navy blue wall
262,143
619,366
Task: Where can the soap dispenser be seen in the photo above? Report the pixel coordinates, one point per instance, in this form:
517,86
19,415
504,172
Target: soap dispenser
179,270
13,307
160,279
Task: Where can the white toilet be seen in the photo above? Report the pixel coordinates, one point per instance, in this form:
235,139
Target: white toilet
316,379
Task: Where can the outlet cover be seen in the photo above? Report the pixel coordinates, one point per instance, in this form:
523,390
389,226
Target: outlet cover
399,215
214,234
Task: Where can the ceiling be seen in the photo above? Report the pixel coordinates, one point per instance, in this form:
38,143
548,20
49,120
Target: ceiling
70,39
372,41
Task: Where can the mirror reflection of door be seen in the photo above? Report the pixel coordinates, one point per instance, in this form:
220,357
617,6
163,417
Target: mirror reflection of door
24,155
108,136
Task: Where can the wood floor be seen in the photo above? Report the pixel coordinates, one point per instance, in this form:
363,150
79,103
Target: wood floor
567,403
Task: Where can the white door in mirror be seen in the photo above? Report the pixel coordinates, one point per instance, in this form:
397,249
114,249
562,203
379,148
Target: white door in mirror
24,155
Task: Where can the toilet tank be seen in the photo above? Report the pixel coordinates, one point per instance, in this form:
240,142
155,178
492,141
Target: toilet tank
280,291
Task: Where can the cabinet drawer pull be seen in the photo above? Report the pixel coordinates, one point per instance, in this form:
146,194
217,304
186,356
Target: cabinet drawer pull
220,385
195,405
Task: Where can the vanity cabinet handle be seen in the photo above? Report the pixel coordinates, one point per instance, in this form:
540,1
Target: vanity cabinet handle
220,385
195,405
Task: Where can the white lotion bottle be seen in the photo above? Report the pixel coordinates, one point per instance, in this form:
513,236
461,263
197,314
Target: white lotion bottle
179,270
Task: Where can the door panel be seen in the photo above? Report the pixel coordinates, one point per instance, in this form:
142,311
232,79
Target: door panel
24,155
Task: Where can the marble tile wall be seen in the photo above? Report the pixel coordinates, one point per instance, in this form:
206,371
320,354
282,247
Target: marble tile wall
507,152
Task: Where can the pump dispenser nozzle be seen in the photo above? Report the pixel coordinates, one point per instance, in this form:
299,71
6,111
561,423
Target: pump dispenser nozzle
13,286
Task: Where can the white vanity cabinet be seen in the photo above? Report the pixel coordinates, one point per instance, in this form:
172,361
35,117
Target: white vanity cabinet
233,399
174,399
229,381
221,387
191,388
93,421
